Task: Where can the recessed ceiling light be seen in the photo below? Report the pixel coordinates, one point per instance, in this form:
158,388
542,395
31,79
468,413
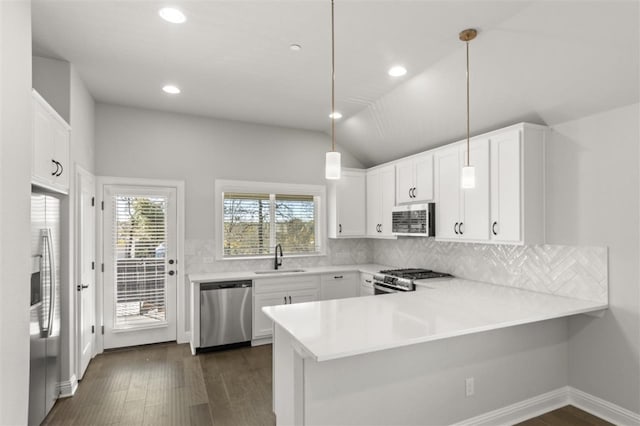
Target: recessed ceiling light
172,15
171,89
335,115
397,71
295,47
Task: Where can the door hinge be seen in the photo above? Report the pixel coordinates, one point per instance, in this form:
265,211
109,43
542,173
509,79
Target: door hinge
93,201
102,267
93,329
102,205
102,329
93,266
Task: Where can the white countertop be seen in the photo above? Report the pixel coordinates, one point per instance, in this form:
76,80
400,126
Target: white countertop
251,275
440,309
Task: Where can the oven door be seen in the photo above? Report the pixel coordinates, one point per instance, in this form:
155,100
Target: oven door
380,288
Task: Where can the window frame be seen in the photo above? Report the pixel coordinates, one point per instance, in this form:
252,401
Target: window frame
317,191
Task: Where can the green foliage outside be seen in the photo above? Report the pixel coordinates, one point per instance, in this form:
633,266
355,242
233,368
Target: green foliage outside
140,227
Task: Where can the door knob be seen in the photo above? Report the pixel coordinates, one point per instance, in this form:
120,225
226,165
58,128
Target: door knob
80,287
171,261
171,273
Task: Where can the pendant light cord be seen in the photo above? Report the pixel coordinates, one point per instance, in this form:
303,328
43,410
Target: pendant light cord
468,109
333,83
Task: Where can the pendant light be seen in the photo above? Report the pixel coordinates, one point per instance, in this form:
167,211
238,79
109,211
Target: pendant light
468,177
332,164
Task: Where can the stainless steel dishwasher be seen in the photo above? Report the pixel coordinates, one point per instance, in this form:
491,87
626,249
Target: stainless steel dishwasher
225,313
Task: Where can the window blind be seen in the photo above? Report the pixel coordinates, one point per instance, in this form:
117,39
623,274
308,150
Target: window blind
139,238
255,223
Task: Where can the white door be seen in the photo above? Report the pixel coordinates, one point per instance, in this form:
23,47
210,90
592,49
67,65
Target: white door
387,198
140,269
505,187
262,324
448,192
86,263
474,215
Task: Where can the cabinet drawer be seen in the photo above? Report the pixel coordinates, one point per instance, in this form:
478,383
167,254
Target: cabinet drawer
299,282
339,285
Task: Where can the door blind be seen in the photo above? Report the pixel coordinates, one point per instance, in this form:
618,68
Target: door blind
139,238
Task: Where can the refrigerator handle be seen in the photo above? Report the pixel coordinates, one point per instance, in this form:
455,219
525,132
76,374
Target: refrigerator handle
52,280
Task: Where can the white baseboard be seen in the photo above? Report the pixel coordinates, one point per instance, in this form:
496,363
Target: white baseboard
263,341
604,409
68,387
521,411
533,407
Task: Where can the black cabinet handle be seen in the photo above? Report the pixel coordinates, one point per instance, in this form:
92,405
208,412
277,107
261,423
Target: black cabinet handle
55,173
172,273
455,228
290,300
460,228
340,228
380,228
493,228
413,192
338,277
285,300
367,281
61,168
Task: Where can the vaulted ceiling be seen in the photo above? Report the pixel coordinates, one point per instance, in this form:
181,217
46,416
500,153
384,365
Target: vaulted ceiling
540,61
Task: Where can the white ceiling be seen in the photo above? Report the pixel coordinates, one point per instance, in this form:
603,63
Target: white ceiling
541,61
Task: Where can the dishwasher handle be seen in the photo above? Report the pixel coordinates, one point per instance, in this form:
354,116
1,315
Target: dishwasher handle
225,285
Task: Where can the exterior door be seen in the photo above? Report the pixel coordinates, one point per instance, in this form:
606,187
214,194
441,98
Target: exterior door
140,269
86,260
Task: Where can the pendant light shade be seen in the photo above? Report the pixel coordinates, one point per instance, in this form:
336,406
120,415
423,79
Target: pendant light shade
332,163
468,176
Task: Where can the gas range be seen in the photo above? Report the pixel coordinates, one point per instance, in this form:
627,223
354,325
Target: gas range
398,280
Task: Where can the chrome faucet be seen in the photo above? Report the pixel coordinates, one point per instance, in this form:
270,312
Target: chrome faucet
277,263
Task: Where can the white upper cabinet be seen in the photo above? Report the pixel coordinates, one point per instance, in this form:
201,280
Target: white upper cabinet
462,214
380,200
507,204
517,185
414,179
50,166
346,205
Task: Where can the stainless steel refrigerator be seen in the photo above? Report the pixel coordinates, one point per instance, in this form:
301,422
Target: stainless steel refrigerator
44,372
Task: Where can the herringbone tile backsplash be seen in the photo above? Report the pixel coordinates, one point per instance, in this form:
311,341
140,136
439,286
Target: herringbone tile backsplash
579,272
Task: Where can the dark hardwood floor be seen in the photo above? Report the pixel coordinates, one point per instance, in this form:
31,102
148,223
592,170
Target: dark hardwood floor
165,385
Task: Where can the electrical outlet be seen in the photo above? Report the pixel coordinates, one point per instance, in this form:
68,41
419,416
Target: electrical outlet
469,386
207,260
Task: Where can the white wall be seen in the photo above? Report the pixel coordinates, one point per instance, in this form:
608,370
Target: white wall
592,199
141,143
51,80
15,190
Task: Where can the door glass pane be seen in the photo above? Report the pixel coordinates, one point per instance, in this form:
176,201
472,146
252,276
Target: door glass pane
140,245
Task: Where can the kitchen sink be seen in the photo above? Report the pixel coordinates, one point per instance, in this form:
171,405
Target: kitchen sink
279,271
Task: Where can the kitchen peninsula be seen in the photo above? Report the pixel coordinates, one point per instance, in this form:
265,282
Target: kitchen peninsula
403,358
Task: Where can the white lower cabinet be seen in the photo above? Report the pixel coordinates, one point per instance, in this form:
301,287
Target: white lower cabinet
339,285
366,284
280,291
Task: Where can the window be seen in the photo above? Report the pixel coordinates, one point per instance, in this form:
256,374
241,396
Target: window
258,216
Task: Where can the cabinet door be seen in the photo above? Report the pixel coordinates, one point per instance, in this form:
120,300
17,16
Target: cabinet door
374,208
405,177
423,166
447,192
262,325
505,187
474,214
339,286
351,205
60,140
387,198
42,166
366,284
302,296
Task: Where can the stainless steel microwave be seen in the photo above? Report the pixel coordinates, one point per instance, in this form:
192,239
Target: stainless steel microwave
414,220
